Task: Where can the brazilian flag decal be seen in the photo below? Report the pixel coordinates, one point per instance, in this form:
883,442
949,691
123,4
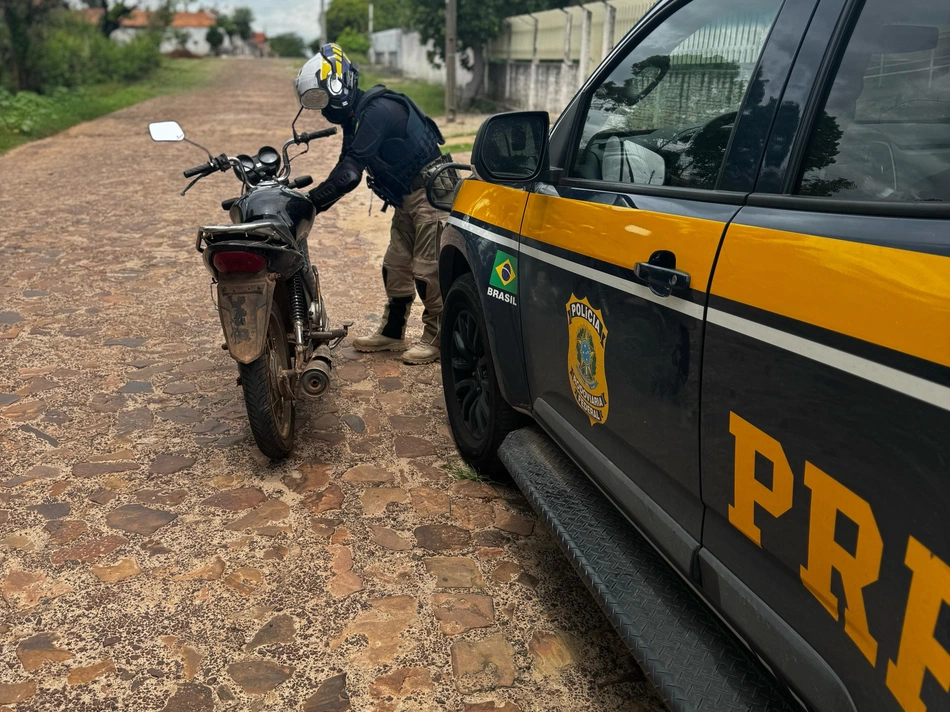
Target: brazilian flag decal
504,274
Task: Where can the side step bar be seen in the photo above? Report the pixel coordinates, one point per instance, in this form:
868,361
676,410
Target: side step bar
695,662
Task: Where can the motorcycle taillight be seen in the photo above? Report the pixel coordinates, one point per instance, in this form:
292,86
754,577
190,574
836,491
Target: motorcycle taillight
228,262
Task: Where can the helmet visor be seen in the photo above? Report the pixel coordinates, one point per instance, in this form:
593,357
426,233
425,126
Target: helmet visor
314,99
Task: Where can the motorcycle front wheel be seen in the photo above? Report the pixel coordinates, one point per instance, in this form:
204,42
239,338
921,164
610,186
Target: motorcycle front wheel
270,411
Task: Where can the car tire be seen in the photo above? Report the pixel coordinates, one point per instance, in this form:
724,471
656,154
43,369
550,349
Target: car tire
479,416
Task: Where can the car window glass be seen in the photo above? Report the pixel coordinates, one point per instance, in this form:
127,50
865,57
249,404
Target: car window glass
884,131
665,114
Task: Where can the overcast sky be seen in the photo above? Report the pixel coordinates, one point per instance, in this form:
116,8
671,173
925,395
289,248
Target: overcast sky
278,16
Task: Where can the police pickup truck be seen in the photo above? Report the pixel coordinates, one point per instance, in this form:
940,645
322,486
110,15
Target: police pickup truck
704,322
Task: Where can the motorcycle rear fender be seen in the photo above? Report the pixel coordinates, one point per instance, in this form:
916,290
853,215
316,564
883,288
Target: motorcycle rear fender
244,304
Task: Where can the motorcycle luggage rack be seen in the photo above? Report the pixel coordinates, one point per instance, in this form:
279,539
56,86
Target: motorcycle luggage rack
270,230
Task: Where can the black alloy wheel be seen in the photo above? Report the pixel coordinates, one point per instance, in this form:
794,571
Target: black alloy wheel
478,414
270,404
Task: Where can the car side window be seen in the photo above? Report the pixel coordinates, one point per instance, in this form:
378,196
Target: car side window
884,131
665,114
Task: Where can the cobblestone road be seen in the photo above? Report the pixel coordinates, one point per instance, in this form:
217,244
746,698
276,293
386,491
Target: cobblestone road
151,558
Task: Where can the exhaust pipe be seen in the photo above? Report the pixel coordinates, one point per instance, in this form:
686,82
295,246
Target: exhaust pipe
315,379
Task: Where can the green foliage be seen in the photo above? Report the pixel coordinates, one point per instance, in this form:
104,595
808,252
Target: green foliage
215,38
226,26
353,42
462,471
74,53
27,116
22,23
243,18
354,15
347,14
289,44
25,111
478,22
180,36
388,14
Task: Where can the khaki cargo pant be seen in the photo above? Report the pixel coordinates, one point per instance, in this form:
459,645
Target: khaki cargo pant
411,264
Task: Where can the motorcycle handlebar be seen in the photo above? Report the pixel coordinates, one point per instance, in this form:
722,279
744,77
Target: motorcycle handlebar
203,169
313,135
301,182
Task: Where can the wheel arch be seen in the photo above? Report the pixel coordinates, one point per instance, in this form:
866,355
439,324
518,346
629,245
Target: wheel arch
458,257
452,264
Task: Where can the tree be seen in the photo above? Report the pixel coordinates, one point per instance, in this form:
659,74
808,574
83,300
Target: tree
215,38
354,14
353,42
388,14
289,44
24,22
226,26
242,18
181,38
343,14
111,16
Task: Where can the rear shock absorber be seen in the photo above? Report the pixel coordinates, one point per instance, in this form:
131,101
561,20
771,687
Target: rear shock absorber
298,309
298,301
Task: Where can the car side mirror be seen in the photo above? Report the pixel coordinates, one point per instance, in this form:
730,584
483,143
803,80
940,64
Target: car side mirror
512,147
166,131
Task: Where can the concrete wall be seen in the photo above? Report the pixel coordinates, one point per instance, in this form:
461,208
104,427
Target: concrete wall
403,52
555,83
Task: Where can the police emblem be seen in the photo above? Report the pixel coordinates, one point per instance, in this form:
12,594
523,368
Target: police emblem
587,337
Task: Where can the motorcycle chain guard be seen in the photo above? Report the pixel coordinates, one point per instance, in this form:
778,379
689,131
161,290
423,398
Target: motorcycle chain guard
244,305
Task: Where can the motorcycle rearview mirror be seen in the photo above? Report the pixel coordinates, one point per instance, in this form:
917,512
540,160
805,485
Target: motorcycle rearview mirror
171,131
166,131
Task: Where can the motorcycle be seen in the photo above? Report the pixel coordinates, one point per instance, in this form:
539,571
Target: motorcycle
268,293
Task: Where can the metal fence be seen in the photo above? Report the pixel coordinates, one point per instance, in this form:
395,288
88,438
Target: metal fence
563,33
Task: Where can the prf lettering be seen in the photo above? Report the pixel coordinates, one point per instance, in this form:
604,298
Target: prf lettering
919,649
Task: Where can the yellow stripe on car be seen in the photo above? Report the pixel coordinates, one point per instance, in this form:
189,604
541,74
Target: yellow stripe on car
494,204
890,297
624,236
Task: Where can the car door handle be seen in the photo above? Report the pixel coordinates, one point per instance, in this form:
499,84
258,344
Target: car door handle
663,281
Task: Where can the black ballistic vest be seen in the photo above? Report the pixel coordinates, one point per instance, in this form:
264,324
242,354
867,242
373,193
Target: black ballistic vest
391,181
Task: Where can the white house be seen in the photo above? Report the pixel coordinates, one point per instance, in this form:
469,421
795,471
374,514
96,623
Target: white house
188,32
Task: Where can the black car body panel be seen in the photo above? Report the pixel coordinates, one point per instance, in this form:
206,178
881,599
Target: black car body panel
780,430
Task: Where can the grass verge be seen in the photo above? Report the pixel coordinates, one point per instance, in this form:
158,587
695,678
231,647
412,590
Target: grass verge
429,97
457,148
73,107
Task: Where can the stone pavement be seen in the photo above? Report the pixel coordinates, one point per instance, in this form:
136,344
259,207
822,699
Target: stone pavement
152,559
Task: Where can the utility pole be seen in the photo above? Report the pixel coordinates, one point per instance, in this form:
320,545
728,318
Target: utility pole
323,23
371,59
451,16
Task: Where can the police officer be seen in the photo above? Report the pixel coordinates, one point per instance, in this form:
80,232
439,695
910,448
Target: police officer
386,134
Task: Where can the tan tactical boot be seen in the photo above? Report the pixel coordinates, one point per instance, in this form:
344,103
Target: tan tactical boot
395,315
422,352
378,342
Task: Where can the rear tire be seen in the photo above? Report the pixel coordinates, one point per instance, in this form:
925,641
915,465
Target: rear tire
479,416
270,413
